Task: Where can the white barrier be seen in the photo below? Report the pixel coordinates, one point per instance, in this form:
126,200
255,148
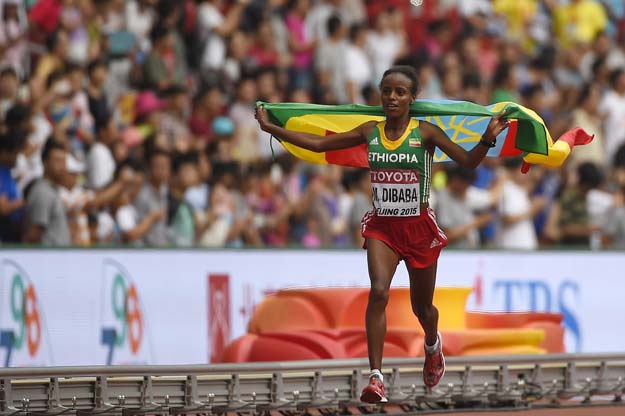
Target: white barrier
89,307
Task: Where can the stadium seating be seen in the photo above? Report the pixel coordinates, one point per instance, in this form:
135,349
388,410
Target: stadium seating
324,323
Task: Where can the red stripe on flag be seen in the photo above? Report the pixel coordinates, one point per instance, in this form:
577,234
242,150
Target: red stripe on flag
354,156
576,137
508,148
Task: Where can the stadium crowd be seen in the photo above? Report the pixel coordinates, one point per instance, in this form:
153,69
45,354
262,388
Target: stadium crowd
132,122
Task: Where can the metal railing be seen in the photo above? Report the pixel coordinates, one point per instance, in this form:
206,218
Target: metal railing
331,385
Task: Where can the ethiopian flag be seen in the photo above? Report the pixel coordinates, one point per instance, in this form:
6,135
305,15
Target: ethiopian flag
463,122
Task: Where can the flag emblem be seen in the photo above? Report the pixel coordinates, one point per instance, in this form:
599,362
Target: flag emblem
414,142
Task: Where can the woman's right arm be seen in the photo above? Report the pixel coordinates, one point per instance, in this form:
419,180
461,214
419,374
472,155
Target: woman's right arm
314,142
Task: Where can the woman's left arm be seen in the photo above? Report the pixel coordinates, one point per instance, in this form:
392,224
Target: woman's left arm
435,137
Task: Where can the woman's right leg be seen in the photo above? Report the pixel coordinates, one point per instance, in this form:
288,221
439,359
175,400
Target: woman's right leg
382,262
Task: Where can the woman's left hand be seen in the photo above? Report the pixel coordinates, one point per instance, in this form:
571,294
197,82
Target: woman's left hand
496,125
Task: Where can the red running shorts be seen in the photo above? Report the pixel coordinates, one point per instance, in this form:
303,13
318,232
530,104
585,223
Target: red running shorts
418,241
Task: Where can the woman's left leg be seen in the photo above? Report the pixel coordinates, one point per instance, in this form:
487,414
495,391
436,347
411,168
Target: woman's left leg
422,284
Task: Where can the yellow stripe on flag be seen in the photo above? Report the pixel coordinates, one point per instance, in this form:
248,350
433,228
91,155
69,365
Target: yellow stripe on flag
319,124
306,155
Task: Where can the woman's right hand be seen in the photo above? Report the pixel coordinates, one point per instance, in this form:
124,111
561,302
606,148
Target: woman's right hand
262,117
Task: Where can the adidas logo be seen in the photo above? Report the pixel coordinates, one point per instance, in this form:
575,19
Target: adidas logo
435,243
374,141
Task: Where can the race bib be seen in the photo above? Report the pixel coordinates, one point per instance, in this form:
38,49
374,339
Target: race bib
396,192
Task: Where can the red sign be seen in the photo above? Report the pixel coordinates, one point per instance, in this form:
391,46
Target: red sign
218,314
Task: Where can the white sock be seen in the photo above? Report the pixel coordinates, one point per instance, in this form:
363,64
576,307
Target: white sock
432,348
377,373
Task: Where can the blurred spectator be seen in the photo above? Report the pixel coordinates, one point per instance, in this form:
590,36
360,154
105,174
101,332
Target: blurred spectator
614,225
505,84
131,227
301,44
579,21
215,225
517,210
587,116
569,221
148,110
37,129
13,36
269,208
238,61
386,42
359,70
9,85
264,51
223,148
97,72
46,219
267,82
80,105
152,199
73,22
603,47
319,15
451,84
208,104
165,65
78,201
11,203
455,206
331,60
196,194
140,16
181,218
100,160
250,141
519,16
371,95
613,106
172,122
214,27
57,45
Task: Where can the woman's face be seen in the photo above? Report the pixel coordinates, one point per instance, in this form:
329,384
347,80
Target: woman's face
302,7
264,34
593,98
239,45
396,94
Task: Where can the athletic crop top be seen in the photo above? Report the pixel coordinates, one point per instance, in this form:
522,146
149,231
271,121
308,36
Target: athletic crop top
400,171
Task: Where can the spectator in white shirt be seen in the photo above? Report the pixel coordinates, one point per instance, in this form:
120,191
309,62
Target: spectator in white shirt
100,161
386,42
358,68
140,17
331,60
517,209
613,106
214,27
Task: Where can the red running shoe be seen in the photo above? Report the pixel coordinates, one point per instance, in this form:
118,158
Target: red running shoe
434,366
374,392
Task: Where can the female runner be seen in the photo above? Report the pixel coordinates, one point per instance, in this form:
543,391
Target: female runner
401,225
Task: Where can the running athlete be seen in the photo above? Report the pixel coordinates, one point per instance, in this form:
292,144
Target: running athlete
401,225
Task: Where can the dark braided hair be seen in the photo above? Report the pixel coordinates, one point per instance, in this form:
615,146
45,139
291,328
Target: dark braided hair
407,71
